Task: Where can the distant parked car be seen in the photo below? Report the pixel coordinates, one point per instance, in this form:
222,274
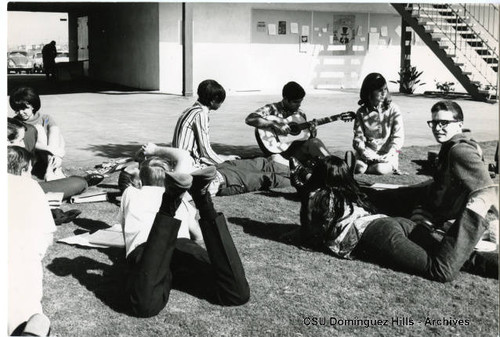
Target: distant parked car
62,57
19,61
38,62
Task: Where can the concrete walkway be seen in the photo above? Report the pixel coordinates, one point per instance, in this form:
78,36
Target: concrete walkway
112,124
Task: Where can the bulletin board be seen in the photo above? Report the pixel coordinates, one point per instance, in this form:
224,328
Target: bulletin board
282,21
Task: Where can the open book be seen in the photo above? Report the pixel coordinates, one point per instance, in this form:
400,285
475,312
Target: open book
92,196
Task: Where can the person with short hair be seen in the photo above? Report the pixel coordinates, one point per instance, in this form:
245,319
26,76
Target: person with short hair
30,230
292,96
338,218
192,131
378,129
49,53
158,252
232,176
458,200
140,204
69,186
50,143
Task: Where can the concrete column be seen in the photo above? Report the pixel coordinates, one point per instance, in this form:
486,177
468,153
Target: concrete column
72,36
187,50
405,48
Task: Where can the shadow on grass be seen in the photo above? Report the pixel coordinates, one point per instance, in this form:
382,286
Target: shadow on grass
106,281
287,195
90,224
279,232
425,168
114,151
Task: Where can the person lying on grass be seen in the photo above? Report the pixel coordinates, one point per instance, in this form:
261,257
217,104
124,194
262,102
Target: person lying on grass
232,177
338,218
30,233
160,256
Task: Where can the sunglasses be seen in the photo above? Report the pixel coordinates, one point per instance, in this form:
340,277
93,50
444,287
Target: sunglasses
442,123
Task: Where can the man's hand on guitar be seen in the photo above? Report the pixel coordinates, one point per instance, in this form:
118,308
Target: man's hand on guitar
280,129
313,128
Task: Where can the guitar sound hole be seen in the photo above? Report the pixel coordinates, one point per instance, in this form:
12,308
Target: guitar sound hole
294,129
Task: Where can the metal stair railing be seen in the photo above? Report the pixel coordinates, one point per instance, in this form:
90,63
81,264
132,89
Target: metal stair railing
486,16
455,29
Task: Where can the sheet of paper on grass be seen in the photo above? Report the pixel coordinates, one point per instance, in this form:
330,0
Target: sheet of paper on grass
89,196
381,186
104,238
54,199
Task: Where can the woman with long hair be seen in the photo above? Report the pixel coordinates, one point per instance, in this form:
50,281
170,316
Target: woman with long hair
378,128
337,217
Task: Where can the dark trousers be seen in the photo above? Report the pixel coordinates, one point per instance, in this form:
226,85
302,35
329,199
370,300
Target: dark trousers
154,264
70,186
402,244
249,175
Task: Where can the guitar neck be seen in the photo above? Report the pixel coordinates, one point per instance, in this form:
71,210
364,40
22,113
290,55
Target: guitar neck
320,121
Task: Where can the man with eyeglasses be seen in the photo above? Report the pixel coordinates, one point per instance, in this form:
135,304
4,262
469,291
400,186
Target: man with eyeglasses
452,210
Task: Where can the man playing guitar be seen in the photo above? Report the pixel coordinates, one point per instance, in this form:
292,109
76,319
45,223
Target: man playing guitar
264,119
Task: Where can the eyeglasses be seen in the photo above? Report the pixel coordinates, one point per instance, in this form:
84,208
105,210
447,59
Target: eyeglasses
442,123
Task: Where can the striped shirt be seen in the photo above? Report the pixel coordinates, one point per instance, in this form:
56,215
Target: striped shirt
192,134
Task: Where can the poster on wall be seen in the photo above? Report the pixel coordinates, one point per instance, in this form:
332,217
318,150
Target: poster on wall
271,29
344,32
281,27
294,28
261,26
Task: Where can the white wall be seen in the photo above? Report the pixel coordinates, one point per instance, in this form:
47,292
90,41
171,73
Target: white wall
228,49
170,44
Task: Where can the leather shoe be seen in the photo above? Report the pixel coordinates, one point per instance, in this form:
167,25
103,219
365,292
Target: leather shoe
201,180
61,217
299,175
94,179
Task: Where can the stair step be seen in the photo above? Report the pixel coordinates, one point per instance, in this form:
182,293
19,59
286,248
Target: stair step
466,73
429,22
495,68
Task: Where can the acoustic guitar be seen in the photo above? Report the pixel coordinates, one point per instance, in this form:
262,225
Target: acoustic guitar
271,143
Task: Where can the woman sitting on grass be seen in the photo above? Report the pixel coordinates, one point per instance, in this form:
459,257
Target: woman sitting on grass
378,129
337,217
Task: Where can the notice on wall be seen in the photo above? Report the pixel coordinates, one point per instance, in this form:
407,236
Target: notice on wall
305,30
261,26
294,28
271,29
373,30
282,27
359,30
373,40
383,31
324,30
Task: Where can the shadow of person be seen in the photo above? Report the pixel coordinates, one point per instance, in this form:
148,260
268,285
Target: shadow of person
279,232
104,280
90,224
425,168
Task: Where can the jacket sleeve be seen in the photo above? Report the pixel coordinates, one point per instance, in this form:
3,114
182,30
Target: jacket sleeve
468,168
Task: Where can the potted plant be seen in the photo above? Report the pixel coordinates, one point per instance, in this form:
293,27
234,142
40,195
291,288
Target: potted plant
408,79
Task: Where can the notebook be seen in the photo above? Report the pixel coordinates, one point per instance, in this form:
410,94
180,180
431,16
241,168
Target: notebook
94,196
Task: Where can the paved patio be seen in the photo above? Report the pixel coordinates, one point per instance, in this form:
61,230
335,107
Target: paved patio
113,123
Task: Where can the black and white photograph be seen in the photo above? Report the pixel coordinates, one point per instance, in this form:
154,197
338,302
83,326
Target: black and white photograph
251,168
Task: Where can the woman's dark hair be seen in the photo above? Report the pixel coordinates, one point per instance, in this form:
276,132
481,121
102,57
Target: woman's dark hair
18,160
13,126
292,91
23,96
210,90
455,109
336,189
372,82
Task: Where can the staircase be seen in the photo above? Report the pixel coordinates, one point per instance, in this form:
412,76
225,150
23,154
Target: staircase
464,37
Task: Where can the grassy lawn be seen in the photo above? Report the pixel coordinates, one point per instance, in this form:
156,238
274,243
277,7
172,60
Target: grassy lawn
84,288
